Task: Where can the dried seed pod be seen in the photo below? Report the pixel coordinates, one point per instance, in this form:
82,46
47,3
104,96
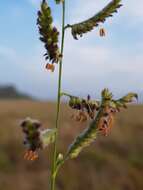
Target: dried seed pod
48,34
100,17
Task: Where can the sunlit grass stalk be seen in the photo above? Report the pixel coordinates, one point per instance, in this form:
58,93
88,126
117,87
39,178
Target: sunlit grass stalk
53,173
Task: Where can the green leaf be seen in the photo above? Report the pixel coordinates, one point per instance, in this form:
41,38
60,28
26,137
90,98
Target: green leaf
100,17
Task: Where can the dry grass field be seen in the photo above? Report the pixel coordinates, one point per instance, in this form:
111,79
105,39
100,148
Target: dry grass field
111,163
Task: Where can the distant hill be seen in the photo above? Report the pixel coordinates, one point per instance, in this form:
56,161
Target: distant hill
10,92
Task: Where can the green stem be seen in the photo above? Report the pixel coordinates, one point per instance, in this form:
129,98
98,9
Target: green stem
53,176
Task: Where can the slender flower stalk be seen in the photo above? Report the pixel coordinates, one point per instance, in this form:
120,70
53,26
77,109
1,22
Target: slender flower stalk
53,176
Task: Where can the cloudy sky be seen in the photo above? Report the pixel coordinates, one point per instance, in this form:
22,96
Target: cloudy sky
90,64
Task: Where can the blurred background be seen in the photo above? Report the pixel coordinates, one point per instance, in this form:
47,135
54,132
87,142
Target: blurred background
90,64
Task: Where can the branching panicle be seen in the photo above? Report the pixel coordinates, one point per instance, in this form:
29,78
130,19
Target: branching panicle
49,34
102,123
89,134
100,17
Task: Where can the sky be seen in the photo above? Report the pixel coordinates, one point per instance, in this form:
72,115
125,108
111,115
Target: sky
90,64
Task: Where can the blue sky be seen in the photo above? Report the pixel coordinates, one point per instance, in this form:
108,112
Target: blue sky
90,64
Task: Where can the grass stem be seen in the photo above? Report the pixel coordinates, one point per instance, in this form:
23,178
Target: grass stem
53,177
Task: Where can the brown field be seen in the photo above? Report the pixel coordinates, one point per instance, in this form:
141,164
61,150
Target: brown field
111,163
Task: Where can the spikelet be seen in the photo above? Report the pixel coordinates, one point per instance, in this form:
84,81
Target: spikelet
100,17
35,138
84,106
89,135
122,102
48,33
